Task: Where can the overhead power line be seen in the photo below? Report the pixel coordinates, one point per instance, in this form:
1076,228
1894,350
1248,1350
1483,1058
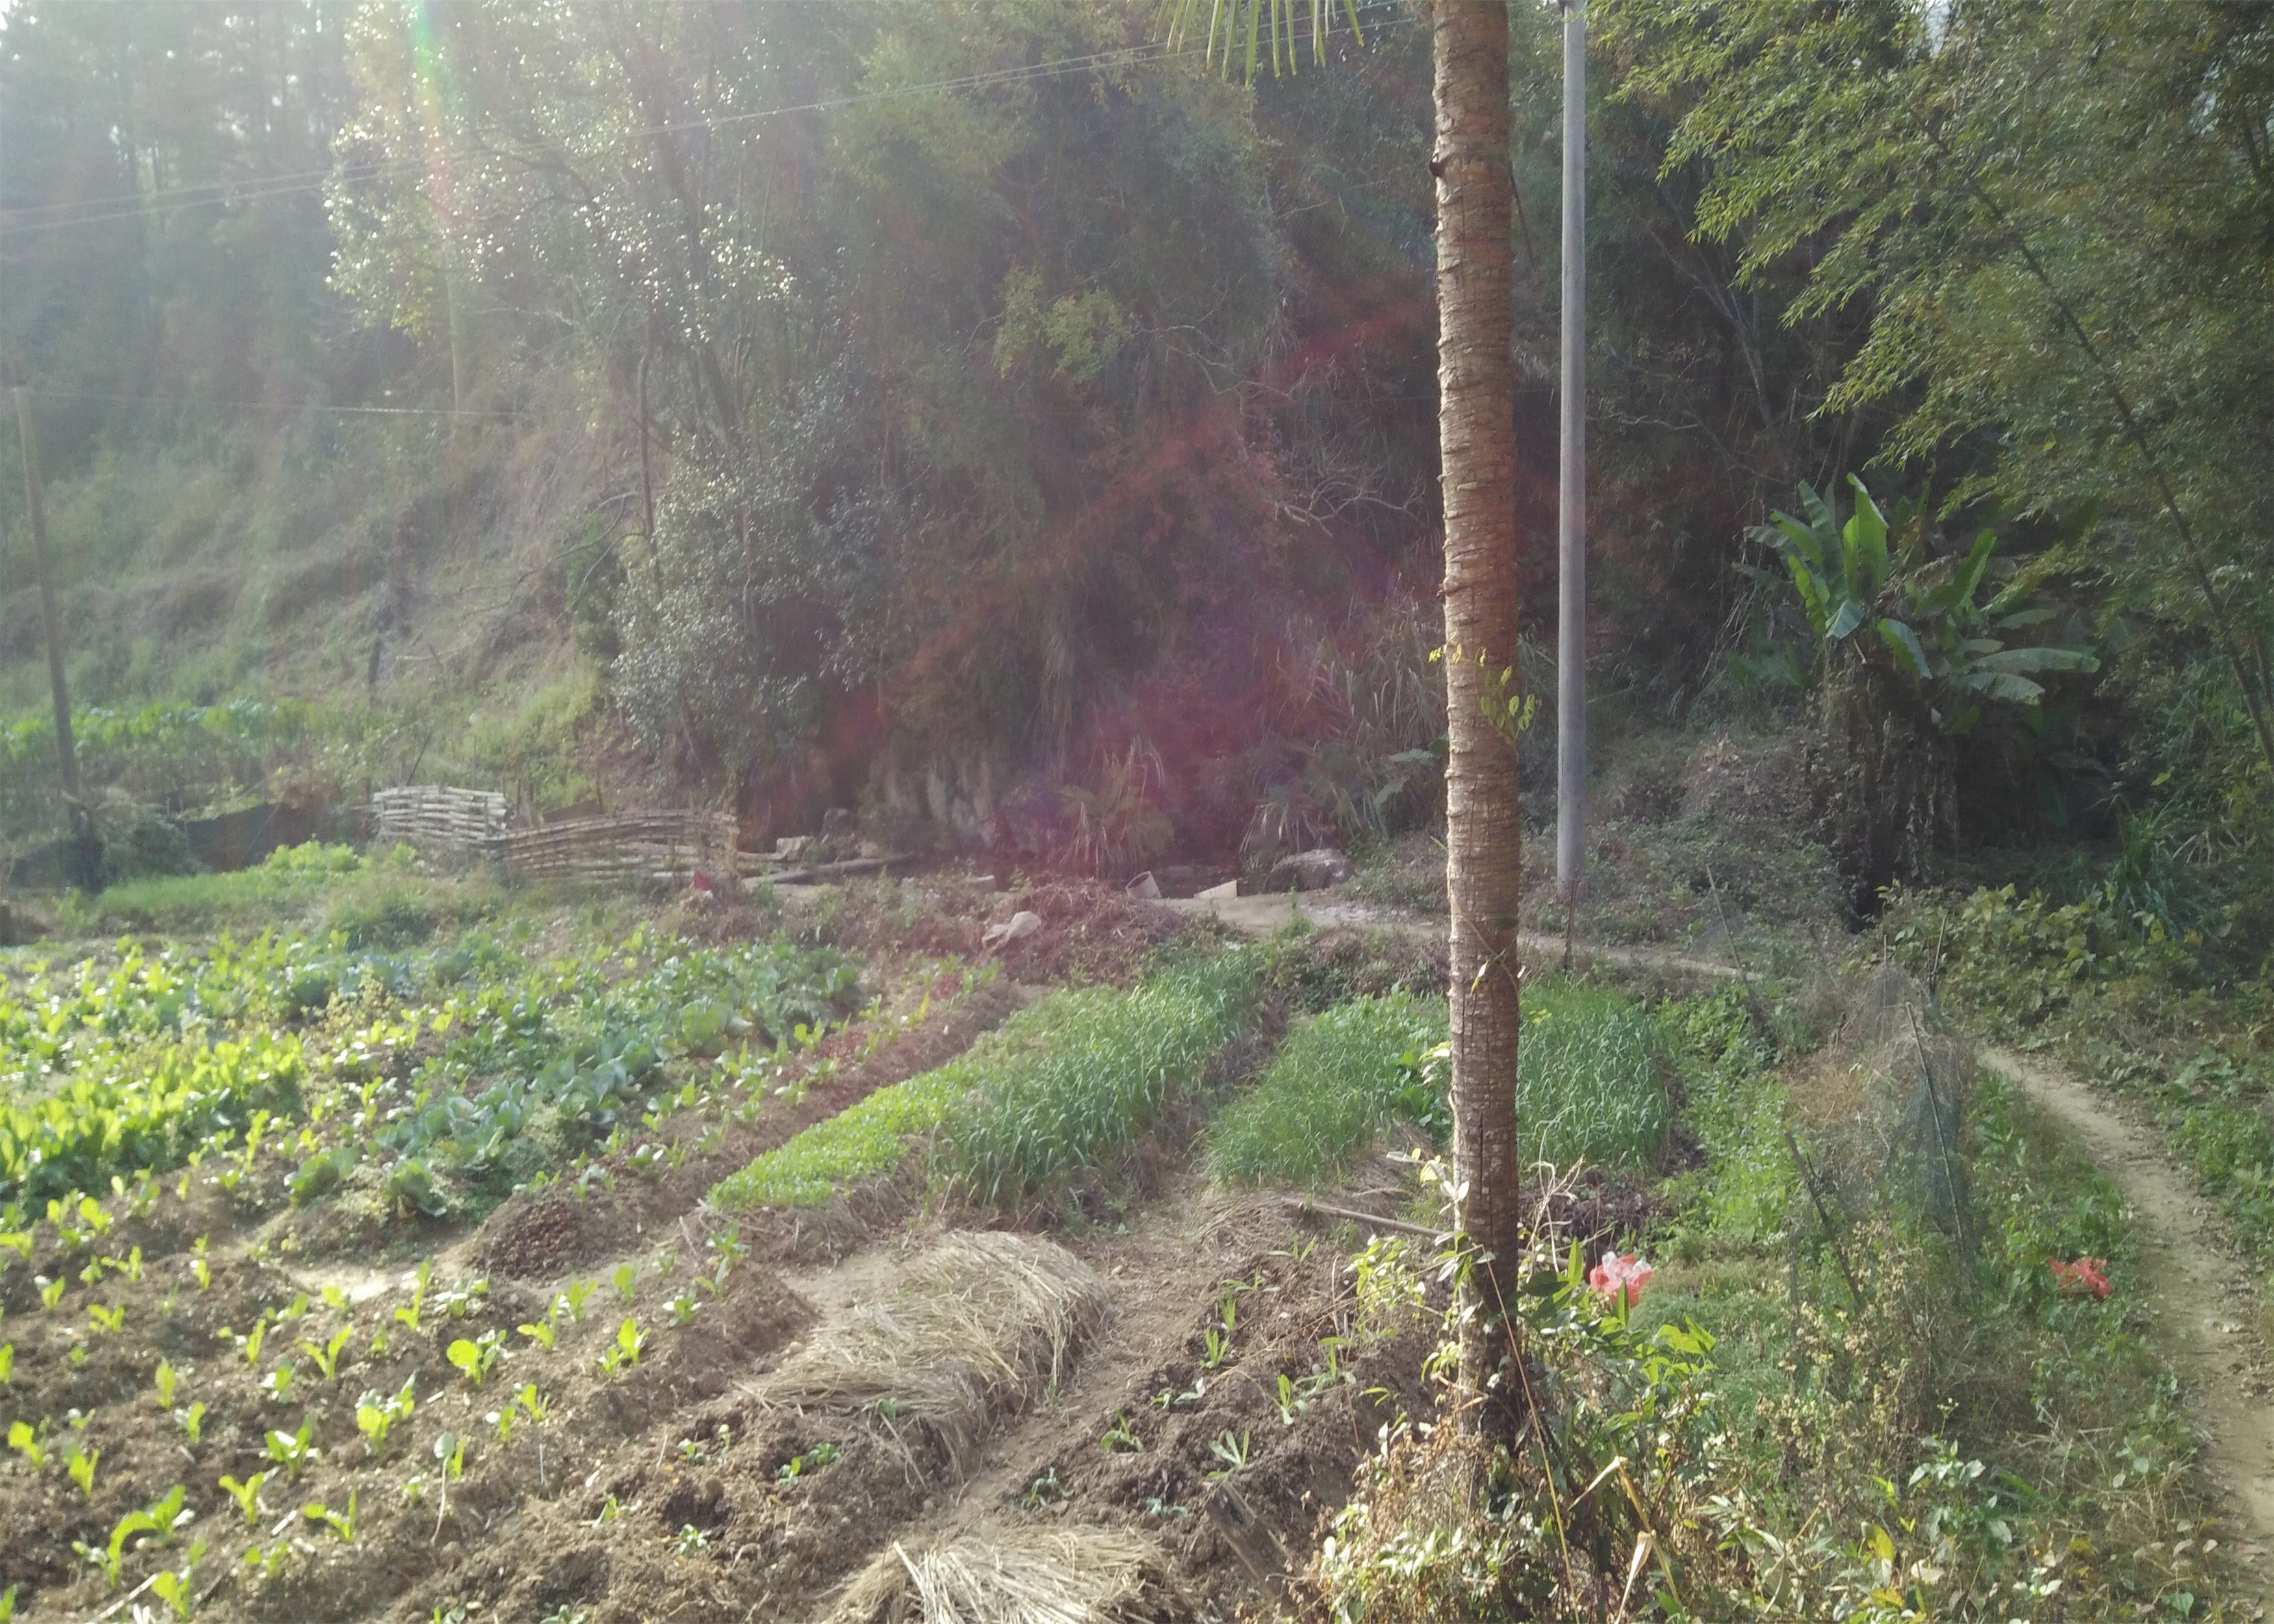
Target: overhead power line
274,406
127,206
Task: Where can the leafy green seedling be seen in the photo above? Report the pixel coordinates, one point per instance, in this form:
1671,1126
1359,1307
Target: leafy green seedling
292,1450
692,1540
31,1445
335,1299
165,1380
191,1419
80,1465
375,1415
1215,1348
1233,1452
278,1383
7,1364
51,1291
342,1523
327,1356
539,1332
631,1342
198,1266
265,1563
1119,1438
247,1494
172,1586
19,1242
249,1344
450,1449
532,1403
476,1358
625,1278
812,1460
683,1309
161,1519
407,1316
574,1299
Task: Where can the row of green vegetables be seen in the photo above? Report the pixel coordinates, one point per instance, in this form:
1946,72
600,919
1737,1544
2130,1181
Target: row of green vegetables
1068,1082
456,1066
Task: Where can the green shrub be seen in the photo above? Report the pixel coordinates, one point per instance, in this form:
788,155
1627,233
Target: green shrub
1338,1081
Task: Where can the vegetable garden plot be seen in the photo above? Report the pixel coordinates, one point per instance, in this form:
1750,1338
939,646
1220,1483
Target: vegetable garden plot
1587,1087
459,1072
1060,1086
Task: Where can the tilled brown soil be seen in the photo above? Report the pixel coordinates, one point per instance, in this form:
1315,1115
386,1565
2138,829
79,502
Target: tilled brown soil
576,1481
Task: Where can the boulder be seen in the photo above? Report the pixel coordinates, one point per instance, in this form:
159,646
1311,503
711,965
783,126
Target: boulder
1312,870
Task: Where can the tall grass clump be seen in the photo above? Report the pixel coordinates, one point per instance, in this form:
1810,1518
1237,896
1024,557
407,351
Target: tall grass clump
1587,1087
1114,1063
1339,1079
1587,1079
1056,1087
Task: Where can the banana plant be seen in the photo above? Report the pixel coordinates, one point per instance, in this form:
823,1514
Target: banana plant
1865,599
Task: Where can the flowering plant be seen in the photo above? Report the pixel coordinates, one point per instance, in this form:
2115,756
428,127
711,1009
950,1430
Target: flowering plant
1623,1278
2085,1277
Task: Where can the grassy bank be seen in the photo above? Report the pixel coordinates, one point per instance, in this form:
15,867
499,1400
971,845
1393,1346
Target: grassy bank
1816,1410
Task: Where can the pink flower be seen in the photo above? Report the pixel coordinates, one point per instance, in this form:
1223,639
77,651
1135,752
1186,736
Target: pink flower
1624,1278
2085,1277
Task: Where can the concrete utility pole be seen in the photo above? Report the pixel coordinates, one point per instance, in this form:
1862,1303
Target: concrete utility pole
50,620
1571,524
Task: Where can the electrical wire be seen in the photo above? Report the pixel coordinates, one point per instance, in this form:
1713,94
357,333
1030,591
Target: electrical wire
274,406
210,193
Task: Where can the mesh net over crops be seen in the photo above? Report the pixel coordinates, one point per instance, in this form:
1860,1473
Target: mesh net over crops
1904,1143
979,1326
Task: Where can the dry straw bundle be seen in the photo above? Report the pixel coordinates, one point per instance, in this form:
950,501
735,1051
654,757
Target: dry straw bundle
1064,1576
980,1325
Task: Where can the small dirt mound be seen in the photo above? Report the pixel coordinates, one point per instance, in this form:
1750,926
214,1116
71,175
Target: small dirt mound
980,1325
1065,1575
537,1241
1090,933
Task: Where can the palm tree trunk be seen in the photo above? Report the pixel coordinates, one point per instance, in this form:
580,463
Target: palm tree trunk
1476,448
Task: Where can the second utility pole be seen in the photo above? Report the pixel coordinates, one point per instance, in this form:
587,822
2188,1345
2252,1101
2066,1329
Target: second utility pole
1571,523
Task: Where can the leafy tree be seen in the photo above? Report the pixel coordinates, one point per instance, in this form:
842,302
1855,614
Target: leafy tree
2053,215
1907,656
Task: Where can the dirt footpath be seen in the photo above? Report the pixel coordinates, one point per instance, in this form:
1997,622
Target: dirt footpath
1260,916
2198,1294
